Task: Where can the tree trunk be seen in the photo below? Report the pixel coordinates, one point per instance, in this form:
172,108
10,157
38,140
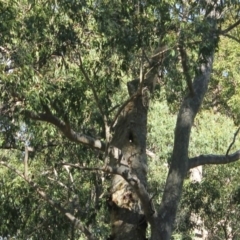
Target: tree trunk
127,217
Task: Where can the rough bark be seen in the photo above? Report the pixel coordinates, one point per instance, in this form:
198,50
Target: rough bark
127,216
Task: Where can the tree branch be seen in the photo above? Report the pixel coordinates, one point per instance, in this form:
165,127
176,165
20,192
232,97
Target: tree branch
26,162
230,27
183,56
213,159
43,195
233,141
78,166
77,137
232,37
104,116
89,82
66,130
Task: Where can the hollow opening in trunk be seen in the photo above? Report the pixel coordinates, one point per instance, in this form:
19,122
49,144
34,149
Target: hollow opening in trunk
130,137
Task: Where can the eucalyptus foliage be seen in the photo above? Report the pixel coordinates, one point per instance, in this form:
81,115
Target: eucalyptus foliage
65,68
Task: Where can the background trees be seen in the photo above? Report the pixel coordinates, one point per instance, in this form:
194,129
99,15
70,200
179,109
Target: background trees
68,63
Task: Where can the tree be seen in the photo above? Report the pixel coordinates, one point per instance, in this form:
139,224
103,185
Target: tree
68,64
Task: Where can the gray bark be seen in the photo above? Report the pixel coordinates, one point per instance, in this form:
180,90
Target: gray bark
127,216
180,161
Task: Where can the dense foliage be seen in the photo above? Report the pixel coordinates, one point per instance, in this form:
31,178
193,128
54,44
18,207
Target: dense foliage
73,59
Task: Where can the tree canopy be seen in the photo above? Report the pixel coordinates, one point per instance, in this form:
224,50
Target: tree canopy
98,129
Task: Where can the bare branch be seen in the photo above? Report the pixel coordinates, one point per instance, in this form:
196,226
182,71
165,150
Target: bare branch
59,183
44,196
150,154
141,74
233,141
230,27
163,50
213,159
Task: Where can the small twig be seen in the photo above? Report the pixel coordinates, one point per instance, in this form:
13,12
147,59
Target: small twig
81,167
232,37
113,108
153,196
59,183
233,141
69,173
146,57
161,52
26,162
5,50
89,82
